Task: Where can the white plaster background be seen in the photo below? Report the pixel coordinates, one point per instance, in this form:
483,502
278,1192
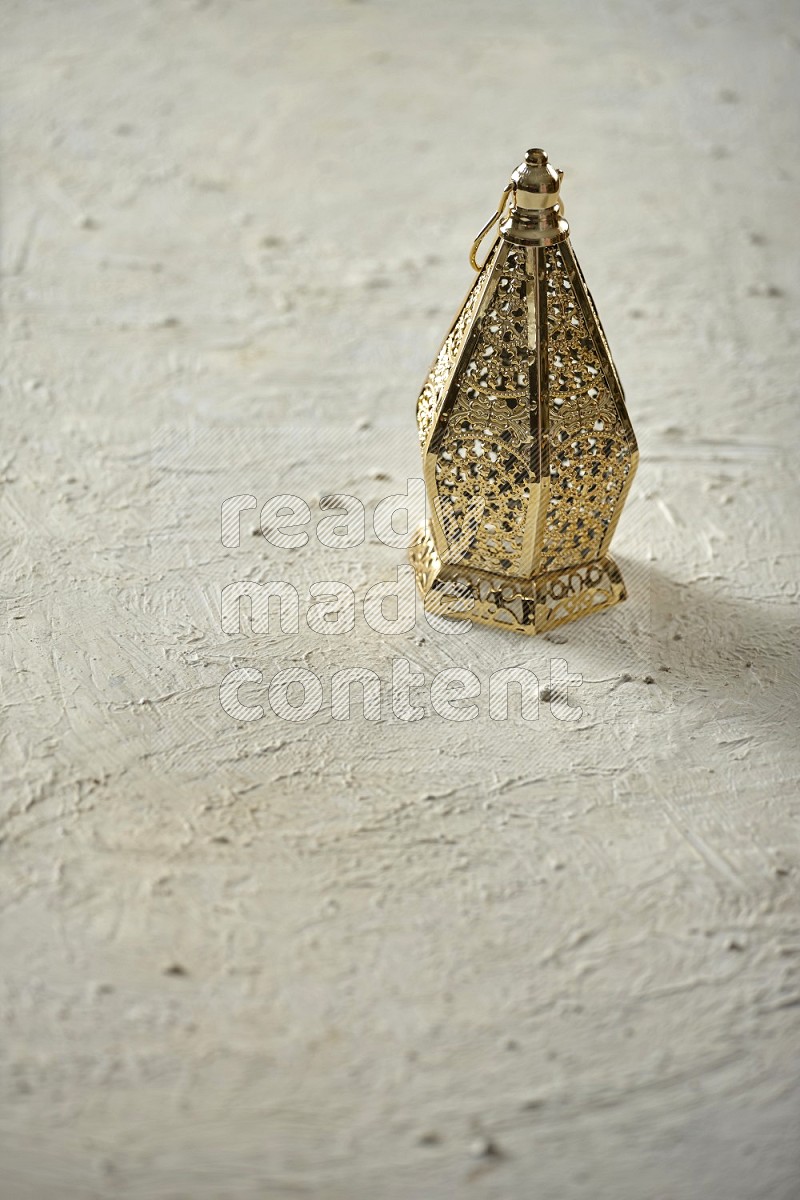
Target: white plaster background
349,961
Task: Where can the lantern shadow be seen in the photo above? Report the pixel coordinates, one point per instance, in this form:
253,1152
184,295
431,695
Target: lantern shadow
734,657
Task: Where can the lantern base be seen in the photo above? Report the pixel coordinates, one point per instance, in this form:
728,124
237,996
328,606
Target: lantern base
521,605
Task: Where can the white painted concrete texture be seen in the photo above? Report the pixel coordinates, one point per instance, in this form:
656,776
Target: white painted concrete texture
548,953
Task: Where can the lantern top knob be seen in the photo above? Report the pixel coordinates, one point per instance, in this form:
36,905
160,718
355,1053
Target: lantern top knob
536,177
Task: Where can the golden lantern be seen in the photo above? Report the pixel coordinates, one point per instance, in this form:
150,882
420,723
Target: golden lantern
528,452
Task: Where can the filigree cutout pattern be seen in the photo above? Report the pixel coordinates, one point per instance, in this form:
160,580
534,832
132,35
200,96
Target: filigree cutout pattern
484,454
431,394
590,450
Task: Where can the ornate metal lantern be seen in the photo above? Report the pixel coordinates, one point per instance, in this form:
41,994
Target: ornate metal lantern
528,452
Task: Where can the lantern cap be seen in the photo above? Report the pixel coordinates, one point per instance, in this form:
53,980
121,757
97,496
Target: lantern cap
536,176
536,215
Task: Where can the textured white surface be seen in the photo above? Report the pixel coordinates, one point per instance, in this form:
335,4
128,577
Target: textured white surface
351,960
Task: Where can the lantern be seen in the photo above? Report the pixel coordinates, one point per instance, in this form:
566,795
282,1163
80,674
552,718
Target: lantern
528,452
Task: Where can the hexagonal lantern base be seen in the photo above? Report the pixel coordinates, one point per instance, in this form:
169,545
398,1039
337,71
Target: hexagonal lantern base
520,605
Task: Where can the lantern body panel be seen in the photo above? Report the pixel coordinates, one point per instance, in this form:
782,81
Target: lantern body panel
528,451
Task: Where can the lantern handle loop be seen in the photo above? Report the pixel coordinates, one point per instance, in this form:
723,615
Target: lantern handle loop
496,216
